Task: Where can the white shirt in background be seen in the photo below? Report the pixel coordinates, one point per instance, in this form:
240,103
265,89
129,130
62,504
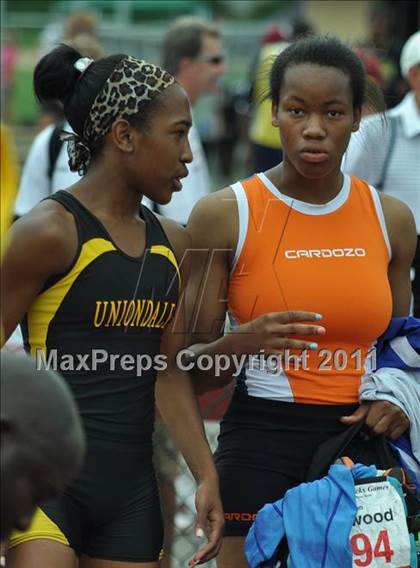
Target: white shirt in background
35,183
367,153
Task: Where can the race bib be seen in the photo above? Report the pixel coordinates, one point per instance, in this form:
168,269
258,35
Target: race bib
379,537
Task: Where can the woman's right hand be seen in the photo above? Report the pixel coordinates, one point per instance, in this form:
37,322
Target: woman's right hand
274,333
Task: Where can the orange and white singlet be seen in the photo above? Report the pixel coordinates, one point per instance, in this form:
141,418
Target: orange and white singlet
331,259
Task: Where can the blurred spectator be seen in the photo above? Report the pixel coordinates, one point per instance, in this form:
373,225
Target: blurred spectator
79,29
51,113
192,52
383,39
230,114
301,28
372,64
9,180
8,63
80,23
386,153
374,98
42,441
264,137
46,168
8,187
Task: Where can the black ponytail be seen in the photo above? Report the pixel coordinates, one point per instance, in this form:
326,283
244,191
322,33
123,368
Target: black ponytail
55,76
57,79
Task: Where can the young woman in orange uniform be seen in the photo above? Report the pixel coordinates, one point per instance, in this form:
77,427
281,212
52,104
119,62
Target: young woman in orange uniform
300,236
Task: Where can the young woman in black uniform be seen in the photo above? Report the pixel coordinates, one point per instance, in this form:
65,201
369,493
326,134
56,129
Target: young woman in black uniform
95,278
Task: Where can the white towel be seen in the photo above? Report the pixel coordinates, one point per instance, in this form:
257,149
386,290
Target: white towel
401,388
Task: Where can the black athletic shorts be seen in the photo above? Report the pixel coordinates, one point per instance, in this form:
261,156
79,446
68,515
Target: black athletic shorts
265,448
111,512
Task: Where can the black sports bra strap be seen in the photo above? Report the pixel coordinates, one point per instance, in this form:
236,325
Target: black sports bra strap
157,232
89,227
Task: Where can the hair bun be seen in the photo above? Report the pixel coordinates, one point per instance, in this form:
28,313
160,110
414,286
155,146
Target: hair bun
55,75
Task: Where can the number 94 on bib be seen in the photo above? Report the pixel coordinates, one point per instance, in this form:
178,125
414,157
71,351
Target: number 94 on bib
379,537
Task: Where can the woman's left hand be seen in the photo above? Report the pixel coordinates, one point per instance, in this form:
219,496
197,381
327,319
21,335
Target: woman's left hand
210,521
381,417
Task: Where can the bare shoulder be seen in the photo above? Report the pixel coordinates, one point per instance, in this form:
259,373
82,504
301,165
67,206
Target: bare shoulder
215,206
400,223
177,234
47,234
396,212
214,220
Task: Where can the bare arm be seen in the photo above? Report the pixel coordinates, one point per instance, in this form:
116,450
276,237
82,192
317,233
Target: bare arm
40,245
177,404
402,235
213,242
213,226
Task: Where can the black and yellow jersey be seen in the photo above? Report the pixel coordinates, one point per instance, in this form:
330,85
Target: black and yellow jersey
100,326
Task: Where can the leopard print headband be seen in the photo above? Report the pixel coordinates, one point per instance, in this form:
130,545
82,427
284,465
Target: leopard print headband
132,82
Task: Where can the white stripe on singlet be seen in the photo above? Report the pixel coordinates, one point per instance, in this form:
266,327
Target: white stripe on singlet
243,215
381,218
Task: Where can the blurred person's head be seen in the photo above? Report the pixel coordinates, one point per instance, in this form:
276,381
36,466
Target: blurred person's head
123,112
381,25
301,28
192,52
274,34
372,64
42,440
410,63
317,88
78,23
374,99
87,45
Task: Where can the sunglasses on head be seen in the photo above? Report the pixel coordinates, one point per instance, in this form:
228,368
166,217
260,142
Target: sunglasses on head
213,59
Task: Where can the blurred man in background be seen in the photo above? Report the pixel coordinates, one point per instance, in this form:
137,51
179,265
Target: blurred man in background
383,39
386,153
192,52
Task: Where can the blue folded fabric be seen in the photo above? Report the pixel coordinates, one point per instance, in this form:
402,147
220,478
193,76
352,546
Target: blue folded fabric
399,345
315,517
404,454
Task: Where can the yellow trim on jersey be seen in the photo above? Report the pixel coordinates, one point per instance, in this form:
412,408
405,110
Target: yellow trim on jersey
46,305
41,527
167,253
